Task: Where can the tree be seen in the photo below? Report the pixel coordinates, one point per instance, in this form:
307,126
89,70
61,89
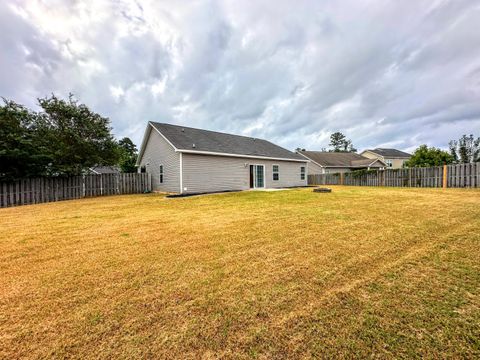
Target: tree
452,145
63,139
21,148
427,157
77,137
128,155
340,143
465,150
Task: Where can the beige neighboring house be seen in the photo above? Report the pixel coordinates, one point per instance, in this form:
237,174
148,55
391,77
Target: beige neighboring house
392,157
186,160
323,162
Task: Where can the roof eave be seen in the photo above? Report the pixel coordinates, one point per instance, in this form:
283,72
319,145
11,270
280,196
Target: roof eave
144,143
148,130
386,156
377,160
200,152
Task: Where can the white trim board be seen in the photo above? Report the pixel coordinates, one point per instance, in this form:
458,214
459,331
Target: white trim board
145,139
148,130
238,155
168,141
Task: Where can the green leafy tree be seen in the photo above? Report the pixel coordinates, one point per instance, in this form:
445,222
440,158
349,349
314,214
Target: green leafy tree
340,143
128,155
427,157
466,149
63,139
21,147
77,137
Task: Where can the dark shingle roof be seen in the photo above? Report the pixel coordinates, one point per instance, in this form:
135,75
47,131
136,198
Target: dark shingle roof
186,138
340,159
366,162
393,153
105,170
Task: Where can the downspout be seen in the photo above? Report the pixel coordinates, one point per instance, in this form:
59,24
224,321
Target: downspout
181,173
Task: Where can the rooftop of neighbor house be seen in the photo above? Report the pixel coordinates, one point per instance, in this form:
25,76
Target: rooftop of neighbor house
338,159
186,138
105,170
390,153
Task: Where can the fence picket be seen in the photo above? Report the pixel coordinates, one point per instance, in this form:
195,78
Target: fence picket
458,175
42,190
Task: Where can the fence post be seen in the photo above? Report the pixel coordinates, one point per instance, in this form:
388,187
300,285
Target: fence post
444,176
341,178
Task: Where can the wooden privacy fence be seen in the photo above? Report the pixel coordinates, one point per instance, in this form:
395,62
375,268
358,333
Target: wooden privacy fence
41,190
455,176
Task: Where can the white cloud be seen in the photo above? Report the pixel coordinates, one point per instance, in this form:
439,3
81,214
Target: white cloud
385,73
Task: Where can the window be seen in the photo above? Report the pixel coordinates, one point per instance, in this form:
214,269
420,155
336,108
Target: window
143,169
302,172
161,174
389,163
276,173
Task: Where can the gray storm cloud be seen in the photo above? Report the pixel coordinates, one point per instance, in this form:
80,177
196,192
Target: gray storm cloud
385,73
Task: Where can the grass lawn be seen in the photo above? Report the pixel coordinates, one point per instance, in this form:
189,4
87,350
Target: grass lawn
379,272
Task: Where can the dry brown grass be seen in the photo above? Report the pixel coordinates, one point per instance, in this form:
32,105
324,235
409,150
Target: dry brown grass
291,274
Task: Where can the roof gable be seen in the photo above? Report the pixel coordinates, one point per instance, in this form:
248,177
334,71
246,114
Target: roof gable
187,139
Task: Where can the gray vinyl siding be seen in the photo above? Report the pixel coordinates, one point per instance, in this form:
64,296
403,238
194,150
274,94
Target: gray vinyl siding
314,169
159,152
207,173
289,174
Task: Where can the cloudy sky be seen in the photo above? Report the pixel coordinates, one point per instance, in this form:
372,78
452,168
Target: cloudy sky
385,73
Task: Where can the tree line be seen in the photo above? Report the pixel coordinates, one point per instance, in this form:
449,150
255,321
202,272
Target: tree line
461,151
64,138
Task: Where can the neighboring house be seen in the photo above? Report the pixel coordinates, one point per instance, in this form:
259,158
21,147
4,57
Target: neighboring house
392,157
322,162
186,160
96,170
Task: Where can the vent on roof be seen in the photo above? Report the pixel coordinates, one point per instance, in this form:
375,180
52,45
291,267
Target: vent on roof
193,145
183,130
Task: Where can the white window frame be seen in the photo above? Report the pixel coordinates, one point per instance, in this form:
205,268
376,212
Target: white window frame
389,162
275,172
161,173
303,174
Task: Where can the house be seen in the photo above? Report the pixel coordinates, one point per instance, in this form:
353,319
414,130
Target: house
188,161
392,157
322,162
97,170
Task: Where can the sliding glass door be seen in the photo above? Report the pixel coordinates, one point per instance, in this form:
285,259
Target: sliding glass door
257,176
